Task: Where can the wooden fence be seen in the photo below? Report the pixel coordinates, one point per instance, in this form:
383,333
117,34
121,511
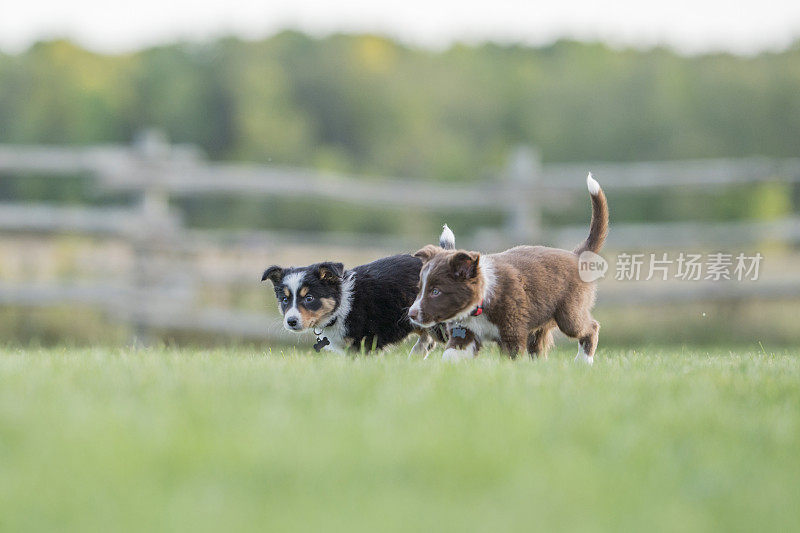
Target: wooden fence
155,171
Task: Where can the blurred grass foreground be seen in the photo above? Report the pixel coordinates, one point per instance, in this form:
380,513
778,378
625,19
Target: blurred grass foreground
168,440
142,194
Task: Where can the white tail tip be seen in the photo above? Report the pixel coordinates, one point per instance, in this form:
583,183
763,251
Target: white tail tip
447,239
592,185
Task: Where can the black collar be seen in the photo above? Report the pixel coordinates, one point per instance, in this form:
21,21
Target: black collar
329,324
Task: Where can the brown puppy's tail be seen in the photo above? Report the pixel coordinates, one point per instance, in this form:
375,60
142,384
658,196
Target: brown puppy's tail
598,229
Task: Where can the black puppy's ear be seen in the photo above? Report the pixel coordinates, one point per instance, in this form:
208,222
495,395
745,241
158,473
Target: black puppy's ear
273,273
330,271
427,253
465,264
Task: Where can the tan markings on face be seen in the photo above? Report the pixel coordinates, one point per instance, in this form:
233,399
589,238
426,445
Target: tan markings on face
303,292
286,292
313,318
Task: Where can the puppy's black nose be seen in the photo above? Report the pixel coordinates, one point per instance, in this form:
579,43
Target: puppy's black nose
292,322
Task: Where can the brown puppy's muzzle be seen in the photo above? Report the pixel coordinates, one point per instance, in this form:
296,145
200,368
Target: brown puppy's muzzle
417,316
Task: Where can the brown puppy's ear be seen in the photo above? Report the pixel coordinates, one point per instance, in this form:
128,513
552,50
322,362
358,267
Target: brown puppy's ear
273,273
427,253
330,271
465,264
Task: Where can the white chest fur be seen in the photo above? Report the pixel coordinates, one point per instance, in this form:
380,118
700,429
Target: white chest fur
481,327
336,333
338,343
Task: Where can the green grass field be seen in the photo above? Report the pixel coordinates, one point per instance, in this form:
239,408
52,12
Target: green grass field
230,440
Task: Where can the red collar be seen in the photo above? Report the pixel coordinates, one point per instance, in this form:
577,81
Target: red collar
478,310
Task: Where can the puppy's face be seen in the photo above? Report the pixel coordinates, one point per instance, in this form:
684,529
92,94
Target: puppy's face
450,285
307,296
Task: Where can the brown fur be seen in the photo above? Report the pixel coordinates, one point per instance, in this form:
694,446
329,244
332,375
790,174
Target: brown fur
470,340
526,292
541,340
313,318
598,229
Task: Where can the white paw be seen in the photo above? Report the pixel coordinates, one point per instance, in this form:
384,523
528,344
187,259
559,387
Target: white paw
422,348
419,347
583,357
452,354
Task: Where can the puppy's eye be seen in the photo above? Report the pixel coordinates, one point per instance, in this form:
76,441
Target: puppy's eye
309,299
285,300
435,292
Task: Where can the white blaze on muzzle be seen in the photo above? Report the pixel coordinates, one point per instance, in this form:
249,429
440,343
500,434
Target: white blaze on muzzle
293,313
417,307
293,283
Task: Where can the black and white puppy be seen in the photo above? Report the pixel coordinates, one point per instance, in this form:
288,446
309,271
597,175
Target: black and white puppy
347,309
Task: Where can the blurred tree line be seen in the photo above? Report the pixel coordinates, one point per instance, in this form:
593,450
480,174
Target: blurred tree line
369,105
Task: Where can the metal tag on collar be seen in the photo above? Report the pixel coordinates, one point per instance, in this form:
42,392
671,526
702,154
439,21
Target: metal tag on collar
459,332
321,343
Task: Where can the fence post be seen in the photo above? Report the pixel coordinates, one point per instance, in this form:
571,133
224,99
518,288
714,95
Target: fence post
523,224
795,198
152,150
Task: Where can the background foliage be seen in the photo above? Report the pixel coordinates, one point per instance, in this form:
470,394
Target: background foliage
370,105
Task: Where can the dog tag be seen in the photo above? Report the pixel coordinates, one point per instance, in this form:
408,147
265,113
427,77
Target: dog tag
321,343
459,332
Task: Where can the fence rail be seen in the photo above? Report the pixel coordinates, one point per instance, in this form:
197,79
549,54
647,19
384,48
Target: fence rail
174,166
157,171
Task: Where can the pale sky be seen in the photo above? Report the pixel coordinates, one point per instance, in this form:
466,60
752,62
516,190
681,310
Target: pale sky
742,26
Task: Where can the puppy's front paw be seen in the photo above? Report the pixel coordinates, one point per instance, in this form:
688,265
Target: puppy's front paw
422,348
453,355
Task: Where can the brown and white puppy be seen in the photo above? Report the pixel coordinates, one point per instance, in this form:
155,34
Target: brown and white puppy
514,298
